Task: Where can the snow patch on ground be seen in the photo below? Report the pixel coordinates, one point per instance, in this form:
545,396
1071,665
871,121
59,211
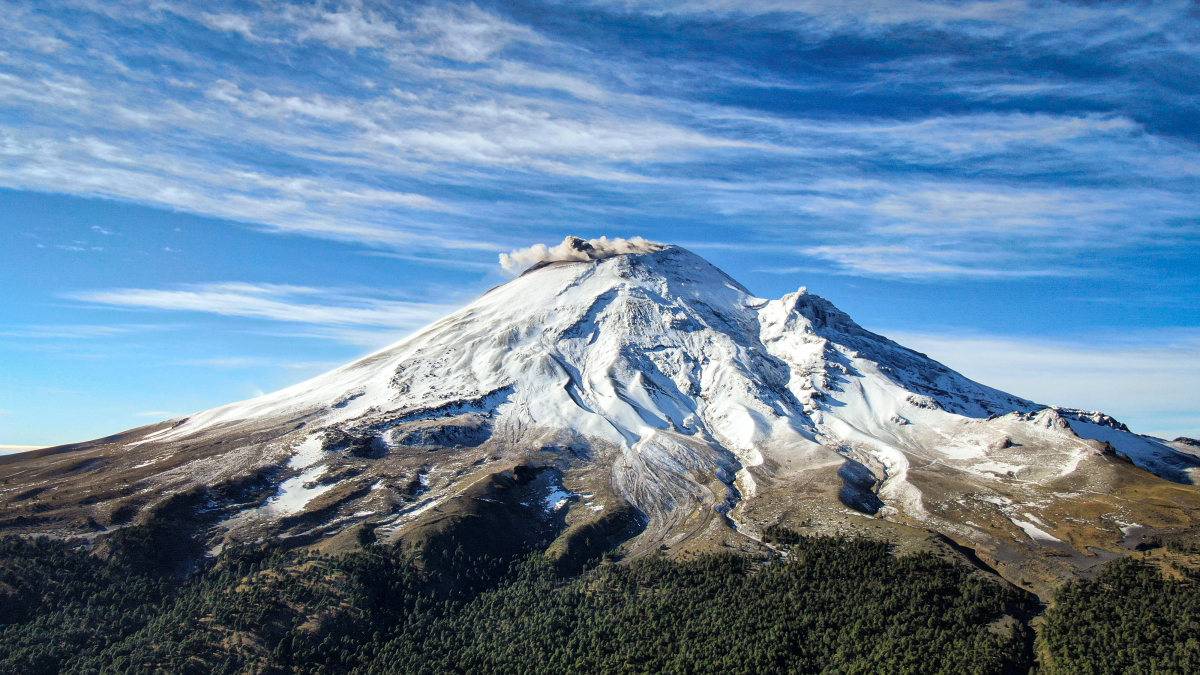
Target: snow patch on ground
308,452
151,438
151,461
295,493
558,498
1036,533
587,498
1127,528
409,515
998,468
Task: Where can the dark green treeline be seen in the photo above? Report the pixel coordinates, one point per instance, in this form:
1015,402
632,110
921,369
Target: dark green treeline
832,605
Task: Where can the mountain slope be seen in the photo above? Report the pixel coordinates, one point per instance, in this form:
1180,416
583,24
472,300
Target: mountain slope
639,391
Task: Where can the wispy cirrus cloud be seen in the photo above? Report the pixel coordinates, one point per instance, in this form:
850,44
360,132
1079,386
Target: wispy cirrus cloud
380,151
275,302
71,331
468,34
227,22
1081,23
430,128
907,262
350,26
242,362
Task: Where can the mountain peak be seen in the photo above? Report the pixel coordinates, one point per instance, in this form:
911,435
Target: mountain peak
652,381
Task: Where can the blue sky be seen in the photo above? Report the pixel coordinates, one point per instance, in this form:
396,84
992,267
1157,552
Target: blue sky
203,201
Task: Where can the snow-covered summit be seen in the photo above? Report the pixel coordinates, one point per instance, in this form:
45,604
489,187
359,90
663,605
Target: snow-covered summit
617,345
644,345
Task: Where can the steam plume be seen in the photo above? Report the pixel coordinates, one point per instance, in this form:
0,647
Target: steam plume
574,248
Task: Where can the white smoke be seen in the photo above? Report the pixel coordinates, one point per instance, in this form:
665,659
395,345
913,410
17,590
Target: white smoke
574,248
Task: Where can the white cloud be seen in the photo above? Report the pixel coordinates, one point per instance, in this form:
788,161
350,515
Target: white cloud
351,26
242,362
353,143
69,332
843,14
369,339
1012,143
455,262
293,304
912,263
494,129
1061,24
1150,382
228,23
326,208
467,33
507,74
522,76
510,132
983,209
261,104
960,228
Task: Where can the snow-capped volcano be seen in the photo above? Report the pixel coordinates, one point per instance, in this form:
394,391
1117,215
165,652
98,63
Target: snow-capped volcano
644,375
623,347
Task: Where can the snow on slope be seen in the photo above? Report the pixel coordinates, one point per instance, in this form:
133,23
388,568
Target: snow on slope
1147,452
661,355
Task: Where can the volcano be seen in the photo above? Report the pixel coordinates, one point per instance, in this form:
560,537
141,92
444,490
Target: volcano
631,395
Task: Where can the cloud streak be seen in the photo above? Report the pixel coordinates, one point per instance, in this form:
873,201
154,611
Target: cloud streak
274,302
